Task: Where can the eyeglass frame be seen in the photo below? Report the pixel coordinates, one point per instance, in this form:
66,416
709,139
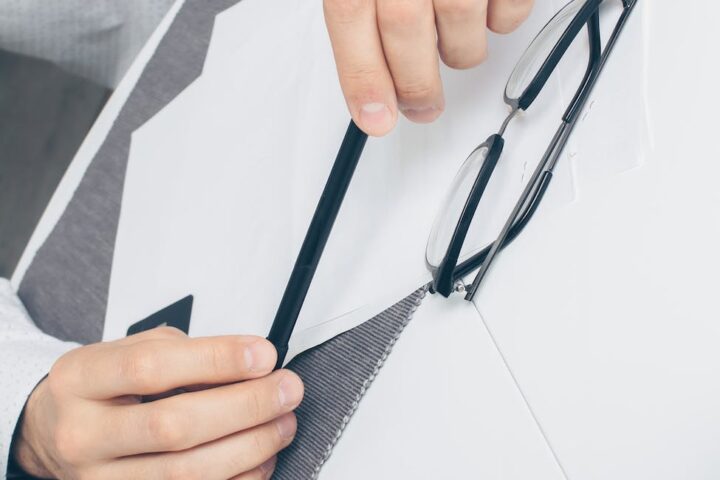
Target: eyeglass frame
351,150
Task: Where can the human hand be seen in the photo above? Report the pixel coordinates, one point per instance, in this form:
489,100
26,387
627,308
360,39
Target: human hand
87,419
386,51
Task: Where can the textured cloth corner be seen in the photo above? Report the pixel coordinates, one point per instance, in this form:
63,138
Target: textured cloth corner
336,375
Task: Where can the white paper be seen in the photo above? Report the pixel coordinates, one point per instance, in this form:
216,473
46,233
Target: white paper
443,406
92,143
221,185
606,310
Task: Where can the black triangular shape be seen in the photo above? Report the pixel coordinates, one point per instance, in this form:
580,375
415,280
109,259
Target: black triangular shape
176,315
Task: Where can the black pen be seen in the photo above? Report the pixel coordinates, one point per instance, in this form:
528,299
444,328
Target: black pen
315,240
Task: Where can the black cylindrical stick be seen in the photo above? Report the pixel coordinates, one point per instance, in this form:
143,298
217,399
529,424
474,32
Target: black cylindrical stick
315,240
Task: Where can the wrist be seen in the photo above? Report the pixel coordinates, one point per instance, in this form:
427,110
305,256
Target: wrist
25,452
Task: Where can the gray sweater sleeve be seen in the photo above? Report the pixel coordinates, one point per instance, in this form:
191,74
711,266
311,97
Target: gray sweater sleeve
97,39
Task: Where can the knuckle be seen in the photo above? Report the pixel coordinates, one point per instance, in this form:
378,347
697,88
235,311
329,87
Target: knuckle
181,469
263,443
415,92
239,463
140,367
259,442
463,58
363,81
167,331
61,376
346,10
362,76
253,407
167,428
67,374
401,13
221,357
455,9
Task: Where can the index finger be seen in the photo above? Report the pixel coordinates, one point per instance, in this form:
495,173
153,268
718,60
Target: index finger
364,75
504,16
156,366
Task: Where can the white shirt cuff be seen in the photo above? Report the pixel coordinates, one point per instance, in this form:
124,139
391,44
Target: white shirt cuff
26,355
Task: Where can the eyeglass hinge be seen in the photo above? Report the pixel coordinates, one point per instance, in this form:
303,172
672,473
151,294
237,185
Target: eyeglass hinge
460,286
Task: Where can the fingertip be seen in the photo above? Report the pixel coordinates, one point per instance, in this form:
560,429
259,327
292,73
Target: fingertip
504,26
292,389
287,426
260,356
423,115
506,17
268,467
377,119
464,59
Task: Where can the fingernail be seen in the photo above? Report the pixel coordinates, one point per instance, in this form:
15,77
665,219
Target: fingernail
258,356
286,426
422,115
268,467
376,117
290,392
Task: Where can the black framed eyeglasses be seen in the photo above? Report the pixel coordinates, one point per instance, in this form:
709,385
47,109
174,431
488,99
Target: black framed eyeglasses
450,256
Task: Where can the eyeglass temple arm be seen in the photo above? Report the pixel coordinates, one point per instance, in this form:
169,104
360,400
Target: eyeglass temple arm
540,177
597,61
593,68
524,218
598,57
315,240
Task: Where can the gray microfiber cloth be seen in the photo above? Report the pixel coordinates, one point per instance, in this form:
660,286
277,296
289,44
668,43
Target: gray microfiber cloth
336,376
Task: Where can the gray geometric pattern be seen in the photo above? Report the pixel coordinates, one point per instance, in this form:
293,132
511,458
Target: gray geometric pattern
66,287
